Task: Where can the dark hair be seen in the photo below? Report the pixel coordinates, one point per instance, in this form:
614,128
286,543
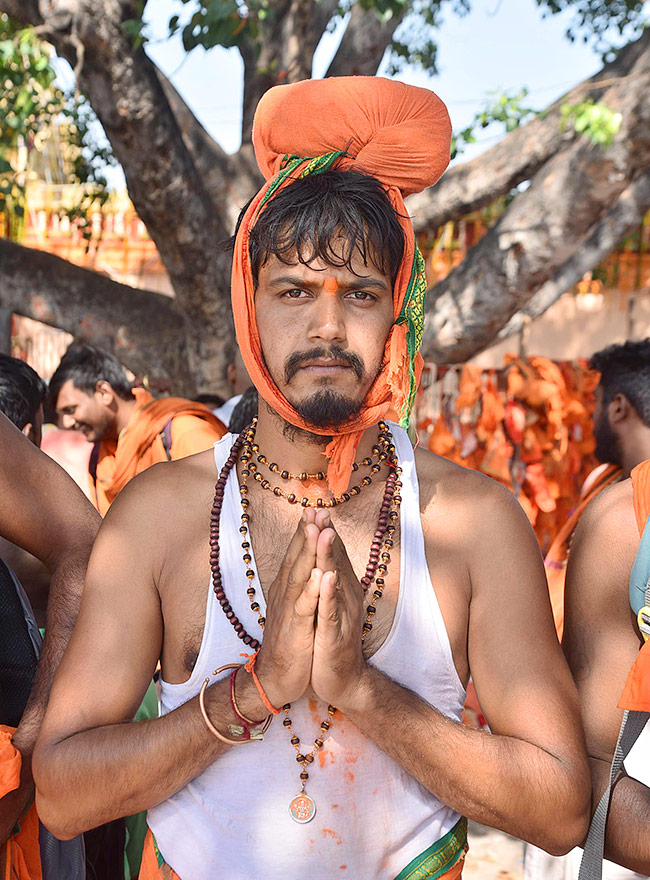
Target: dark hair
212,401
625,369
86,365
330,215
22,391
245,411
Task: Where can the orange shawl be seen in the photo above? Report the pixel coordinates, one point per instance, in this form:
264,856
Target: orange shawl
636,693
135,450
22,856
397,133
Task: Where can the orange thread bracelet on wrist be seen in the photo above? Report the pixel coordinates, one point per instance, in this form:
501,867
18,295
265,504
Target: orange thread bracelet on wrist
250,667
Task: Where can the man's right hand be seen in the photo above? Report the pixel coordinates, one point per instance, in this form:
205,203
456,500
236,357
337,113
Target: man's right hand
285,658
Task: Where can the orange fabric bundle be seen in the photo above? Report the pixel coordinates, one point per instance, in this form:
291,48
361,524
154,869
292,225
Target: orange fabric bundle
23,856
397,133
636,693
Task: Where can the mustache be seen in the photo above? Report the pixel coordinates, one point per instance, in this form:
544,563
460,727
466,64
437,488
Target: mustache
297,360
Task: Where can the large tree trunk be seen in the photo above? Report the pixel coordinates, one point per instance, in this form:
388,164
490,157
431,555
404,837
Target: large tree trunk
168,192
545,226
144,329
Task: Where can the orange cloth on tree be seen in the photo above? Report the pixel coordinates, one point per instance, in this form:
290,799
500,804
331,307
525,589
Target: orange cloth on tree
23,856
636,693
194,429
396,133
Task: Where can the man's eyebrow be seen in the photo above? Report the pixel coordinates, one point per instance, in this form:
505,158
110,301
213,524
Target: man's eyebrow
359,282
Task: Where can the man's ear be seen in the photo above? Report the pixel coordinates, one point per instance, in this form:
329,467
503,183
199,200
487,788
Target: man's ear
27,430
104,390
619,409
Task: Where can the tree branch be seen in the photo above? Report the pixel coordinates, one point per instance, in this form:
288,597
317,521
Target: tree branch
543,228
363,44
518,157
619,222
230,180
163,182
144,329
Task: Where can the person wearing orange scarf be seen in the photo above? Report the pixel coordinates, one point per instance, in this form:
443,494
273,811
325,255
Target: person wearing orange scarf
609,661
622,433
353,578
130,429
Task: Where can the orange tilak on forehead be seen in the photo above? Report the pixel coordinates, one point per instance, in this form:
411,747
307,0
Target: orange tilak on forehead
330,285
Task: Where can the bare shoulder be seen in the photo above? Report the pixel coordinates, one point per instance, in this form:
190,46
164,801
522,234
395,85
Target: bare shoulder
474,502
164,501
609,521
603,550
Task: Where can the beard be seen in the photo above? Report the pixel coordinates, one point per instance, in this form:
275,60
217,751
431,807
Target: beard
607,444
328,409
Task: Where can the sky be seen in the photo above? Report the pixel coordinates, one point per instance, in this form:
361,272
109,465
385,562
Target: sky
501,44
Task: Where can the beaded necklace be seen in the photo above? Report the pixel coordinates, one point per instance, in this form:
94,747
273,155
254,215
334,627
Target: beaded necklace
302,807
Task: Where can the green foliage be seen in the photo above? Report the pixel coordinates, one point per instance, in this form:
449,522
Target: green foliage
593,119
601,21
211,23
32,109
501,107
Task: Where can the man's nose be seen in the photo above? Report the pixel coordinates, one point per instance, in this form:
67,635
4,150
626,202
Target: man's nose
68,422
328,318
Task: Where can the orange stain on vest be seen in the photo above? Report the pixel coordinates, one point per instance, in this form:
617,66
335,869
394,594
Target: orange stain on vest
327,832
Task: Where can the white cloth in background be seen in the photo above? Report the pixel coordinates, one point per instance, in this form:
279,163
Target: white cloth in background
224,411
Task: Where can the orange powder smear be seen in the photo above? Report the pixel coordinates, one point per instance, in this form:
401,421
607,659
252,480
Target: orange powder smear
337,837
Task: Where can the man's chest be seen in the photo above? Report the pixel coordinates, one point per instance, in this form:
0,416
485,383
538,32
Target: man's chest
186,578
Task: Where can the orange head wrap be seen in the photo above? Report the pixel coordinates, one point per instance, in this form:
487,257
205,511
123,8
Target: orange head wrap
396,133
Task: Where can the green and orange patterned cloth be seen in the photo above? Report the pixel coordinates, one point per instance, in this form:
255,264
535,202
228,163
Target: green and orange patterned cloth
443,860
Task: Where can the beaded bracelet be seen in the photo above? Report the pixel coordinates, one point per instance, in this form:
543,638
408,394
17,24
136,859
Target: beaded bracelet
250,667
258,734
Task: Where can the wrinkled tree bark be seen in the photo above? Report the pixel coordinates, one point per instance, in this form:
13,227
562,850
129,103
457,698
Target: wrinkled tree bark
188,192
544,227
144,329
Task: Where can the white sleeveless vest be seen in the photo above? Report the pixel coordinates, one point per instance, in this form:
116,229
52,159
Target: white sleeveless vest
232,822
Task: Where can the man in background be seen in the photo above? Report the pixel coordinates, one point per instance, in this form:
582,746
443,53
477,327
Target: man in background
129,428
22,392
622,434
239,381
43,512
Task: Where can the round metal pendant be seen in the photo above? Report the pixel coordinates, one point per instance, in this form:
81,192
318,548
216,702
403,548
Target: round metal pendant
302,808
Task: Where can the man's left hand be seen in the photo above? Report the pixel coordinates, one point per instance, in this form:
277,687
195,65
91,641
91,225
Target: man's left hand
338,667
13,807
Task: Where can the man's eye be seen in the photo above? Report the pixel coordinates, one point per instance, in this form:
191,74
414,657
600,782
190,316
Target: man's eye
294,293
362,296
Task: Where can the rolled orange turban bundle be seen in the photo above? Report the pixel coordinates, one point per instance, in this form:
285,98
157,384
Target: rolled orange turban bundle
396,133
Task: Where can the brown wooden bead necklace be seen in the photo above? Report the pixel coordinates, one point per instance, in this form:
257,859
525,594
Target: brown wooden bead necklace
302,808
384,450
381,451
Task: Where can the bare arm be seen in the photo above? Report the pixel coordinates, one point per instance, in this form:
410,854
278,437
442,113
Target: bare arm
601,643
528,777
45,513
92,764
